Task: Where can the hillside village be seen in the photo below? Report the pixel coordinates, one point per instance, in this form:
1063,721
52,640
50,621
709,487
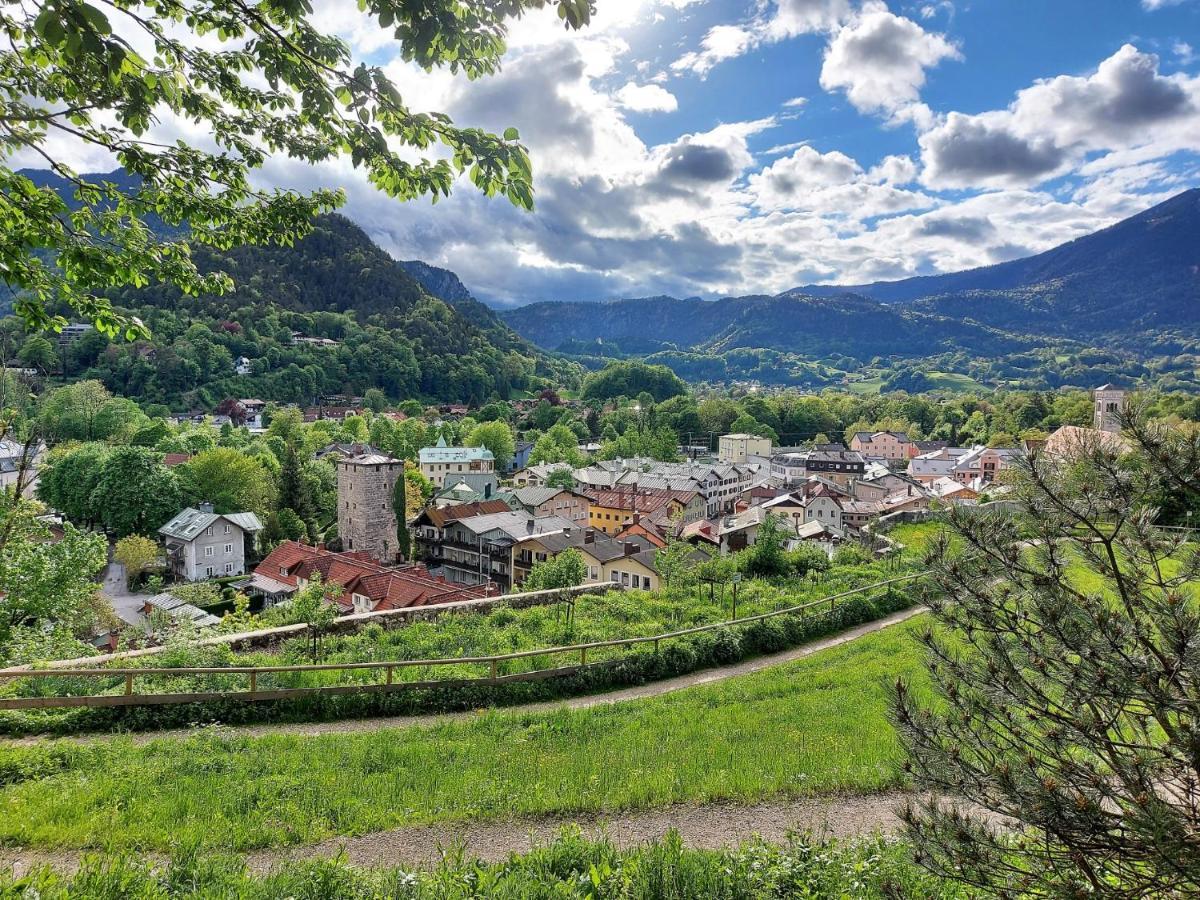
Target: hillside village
482,531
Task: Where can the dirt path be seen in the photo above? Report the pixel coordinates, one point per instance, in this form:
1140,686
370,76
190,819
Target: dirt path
640,692
709,826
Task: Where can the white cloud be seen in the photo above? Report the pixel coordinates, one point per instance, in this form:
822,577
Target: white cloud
880,60
1184,52
796,102
1152,5
1125,106
647,98
722,42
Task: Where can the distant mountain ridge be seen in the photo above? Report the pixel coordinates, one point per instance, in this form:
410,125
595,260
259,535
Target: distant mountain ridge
1141,273
1135,284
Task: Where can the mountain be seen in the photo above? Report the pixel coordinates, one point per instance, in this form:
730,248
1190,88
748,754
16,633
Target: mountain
439,282
1137,277
792,322
1134,286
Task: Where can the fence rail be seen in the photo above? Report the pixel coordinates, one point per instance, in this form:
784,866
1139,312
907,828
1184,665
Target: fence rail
388,668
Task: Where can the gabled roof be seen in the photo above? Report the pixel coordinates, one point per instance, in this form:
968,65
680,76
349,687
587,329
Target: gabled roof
190,523
438,518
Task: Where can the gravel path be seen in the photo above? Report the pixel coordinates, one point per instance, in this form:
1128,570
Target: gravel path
709,826
640,692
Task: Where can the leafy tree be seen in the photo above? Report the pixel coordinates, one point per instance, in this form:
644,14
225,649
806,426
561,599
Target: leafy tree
38,353
400,508
136,553
261,83
45,583
565,570
1063,668
558,445
561,478
656,443
631,378
229,479
375,400
311,607
497,437
766,557
807,558
70,413
674,562
135,493
69,479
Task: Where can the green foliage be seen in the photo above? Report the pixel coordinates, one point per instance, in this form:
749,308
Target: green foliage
655,443
570,866
400,508
629,379
46,584
558,445
72,69
229,479
495,436
812,727
136,553
135,493
766,557
566,570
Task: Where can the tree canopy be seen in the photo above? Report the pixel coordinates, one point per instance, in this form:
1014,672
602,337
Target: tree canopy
261,80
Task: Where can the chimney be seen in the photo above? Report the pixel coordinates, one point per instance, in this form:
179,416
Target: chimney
529,526
630,548
206,507
637,518
589,537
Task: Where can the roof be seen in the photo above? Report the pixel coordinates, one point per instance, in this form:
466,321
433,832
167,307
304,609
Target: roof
443,454
439,518
869,436
368,459
516,525
355,573
1071,440
188,524
745,437
178,609
639,499
176,459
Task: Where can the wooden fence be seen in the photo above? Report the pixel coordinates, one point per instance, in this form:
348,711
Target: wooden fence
387,670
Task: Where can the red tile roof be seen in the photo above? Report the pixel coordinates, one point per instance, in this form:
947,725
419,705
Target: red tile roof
176,459
356,573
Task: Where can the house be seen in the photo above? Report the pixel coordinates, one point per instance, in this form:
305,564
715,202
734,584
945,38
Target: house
520,457
610,510
818,504
857,513
536,475
429,527
478,549
629,562
720,484
950,491
889,445
550,501
927,468
832,461
468,488
243,366
356,583
737,448
984,463
73,332
203,544
441,462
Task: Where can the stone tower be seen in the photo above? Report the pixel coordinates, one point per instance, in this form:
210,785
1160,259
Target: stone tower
1108,403
366,519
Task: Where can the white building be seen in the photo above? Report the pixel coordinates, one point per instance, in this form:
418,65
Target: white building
204,544
737,448
442,461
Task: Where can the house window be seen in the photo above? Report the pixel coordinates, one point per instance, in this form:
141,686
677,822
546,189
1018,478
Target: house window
283,571
616,577
228,529
637,581
228,549
208,531
208,551
208,570
228,568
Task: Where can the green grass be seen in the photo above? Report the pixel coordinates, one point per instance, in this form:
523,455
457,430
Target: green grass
503,630
569,867
866,387
916,538
812,727
954,381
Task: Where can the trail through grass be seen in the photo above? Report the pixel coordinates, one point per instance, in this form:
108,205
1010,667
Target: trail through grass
812,727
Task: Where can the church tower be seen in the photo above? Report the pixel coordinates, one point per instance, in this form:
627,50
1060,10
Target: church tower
1109,403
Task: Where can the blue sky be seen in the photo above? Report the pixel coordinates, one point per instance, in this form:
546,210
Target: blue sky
713,147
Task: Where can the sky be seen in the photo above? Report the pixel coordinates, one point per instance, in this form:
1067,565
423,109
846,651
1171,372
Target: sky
713,148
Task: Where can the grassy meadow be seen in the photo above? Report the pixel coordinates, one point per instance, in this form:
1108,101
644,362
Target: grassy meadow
812,727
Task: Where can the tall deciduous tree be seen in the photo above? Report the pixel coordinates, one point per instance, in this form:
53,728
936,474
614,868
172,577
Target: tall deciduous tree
229,479
495,436
136,553
1065,663
136,493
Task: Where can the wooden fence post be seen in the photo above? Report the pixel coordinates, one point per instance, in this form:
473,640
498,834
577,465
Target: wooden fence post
128,685
253,682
